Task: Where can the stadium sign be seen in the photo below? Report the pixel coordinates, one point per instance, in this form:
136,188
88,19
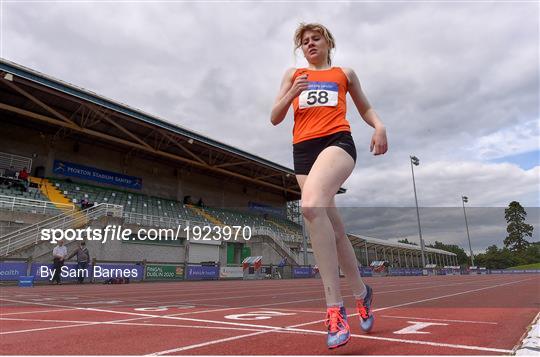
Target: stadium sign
94,174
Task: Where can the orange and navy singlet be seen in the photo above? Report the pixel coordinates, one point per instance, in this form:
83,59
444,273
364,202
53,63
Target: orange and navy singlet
320,110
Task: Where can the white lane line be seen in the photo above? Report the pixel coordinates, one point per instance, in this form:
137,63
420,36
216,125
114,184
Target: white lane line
204,344
304,300
318,290
248,306
294,328
34,312
443,320
435,298
216,290
144,315
48,328
431,283
119,322
228,323
176,300
229,291
416,342
176,316
306,311
165,287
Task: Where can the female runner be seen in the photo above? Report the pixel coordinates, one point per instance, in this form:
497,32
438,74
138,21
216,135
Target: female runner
324,157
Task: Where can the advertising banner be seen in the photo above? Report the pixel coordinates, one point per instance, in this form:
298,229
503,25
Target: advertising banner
12,270
198,272
94,174
164,272
231,272
404,272
366,271
302,272
262,208
517,271
396,271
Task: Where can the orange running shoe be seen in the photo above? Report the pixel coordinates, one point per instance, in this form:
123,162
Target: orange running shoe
338,329
364,310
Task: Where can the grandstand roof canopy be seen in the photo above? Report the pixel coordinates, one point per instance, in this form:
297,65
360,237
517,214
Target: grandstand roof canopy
359,241
67,110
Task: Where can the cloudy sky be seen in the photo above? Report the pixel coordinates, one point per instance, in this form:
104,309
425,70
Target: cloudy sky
456,84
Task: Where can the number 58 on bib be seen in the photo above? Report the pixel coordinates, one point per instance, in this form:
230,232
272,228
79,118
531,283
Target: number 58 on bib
319,94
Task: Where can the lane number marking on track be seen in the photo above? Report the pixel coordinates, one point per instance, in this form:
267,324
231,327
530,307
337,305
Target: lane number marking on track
259,315
416,327
164,307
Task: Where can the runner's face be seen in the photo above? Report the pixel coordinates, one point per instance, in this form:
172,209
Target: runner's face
315,47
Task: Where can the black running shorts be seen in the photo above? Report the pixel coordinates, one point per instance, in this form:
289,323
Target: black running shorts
306,152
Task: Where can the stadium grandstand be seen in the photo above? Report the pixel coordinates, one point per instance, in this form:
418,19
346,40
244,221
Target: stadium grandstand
94,162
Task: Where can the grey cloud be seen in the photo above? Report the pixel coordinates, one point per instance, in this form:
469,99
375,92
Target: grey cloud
487,225
440,75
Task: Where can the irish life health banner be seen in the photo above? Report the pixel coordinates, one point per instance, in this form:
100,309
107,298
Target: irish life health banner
92,173
12,270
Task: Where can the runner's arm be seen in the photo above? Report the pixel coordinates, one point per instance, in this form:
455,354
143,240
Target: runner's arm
288,91
379,142
361,102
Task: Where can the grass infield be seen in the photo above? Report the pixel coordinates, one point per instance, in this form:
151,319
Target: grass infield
527,266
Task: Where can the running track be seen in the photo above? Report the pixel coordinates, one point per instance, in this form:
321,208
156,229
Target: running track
442,315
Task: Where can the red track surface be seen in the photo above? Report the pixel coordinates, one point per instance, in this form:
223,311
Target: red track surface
462,315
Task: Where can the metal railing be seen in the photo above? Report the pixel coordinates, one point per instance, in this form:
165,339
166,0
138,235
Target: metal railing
158,221
11,203
278,239
18,162
12,226
30,235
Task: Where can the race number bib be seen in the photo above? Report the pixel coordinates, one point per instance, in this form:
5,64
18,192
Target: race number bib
319,94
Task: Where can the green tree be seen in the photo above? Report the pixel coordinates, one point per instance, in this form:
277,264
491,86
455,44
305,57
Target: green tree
531,254
462,257
517,229
493,258
406,241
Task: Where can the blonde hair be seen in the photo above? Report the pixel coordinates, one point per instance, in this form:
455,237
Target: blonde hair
303,27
